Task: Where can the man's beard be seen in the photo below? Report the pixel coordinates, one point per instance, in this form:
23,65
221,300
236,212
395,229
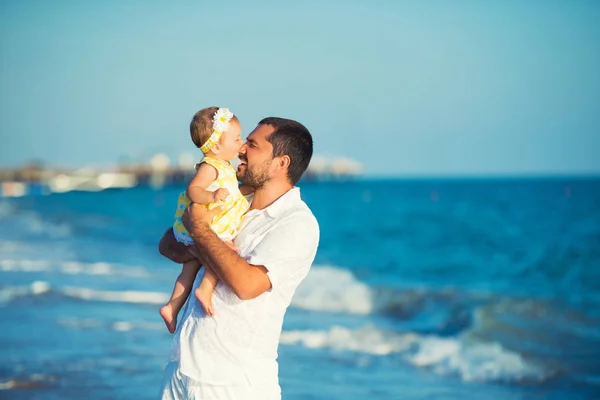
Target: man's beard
255,178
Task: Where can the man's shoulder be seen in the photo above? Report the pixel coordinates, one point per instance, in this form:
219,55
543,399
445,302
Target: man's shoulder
296,232
298,213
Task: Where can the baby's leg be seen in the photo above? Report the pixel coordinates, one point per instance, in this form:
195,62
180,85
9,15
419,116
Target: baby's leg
205,290
181,291
207,286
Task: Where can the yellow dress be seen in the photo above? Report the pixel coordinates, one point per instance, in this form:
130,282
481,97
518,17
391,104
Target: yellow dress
226,223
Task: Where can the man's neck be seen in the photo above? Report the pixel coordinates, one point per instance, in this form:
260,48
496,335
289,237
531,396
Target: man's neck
268,194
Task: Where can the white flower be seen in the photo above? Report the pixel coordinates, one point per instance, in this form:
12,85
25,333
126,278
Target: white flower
219,126
221,119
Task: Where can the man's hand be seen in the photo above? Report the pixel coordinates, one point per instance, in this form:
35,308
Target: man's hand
172,249
196,216
245,281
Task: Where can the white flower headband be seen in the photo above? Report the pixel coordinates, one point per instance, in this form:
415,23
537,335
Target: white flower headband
220,124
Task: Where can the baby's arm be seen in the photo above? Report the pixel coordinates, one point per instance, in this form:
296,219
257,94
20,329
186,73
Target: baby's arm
196,190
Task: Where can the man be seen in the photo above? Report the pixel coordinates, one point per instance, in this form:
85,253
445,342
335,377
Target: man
232,355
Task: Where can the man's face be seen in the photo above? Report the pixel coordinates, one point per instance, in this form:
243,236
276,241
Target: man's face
256,157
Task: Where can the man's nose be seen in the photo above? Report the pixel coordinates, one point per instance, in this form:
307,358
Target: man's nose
243,149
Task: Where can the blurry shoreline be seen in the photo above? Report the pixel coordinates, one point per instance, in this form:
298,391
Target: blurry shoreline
37,179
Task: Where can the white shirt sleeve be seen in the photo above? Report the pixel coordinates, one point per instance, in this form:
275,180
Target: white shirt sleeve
288,250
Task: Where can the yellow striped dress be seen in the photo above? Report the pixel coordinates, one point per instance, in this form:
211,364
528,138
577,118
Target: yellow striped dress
226,223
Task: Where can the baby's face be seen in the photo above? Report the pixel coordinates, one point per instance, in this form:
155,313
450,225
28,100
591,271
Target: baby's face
231,141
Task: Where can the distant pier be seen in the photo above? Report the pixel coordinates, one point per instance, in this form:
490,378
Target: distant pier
36,179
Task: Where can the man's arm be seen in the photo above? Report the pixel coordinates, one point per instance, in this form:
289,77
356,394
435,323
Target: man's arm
172,249
245,280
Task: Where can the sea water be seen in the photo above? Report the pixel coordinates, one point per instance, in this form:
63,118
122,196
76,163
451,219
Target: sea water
421,289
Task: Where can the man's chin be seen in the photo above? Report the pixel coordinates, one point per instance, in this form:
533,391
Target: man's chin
240,176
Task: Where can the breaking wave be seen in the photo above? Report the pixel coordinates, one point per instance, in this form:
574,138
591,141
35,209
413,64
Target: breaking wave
333,289
472,361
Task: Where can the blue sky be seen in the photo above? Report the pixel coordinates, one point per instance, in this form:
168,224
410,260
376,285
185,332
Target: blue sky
408,88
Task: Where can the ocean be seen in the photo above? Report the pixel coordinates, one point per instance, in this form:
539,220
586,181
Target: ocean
421,289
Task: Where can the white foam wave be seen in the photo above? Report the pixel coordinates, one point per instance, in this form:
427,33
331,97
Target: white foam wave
134,297
35,224
126,326
35,381
9,293
25,265
10,247
71,268
79,323
120,326
6,385
472,361
365,340
333,289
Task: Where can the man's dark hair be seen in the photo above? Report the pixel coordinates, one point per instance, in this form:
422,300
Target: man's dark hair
291,138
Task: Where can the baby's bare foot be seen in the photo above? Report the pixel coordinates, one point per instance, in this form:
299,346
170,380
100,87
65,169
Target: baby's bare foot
204,296
166,312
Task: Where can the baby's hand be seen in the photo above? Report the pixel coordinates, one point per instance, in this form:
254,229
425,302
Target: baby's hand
220,194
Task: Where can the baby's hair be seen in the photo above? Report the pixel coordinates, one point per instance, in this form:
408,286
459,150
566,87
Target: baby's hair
201,126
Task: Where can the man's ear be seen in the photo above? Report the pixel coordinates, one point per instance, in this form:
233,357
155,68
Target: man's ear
283,162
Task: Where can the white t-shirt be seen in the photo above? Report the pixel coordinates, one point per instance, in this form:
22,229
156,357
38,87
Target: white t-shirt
238,346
